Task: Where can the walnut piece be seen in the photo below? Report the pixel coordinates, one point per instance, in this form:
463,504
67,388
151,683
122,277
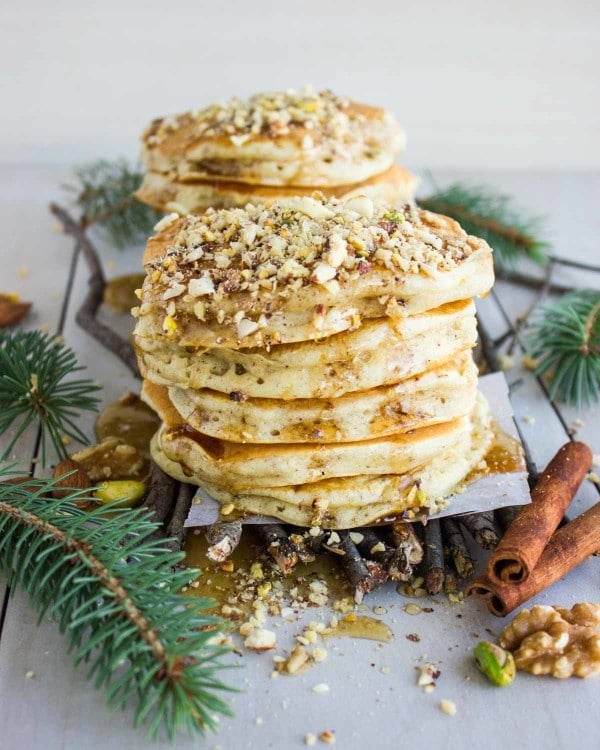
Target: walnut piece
556,641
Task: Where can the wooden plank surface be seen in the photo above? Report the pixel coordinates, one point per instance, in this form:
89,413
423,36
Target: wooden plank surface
36,264
58,709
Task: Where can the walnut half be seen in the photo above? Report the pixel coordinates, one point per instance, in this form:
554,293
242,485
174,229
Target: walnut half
556,641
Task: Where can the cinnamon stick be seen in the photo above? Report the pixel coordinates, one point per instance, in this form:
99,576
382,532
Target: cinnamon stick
568,548
518,553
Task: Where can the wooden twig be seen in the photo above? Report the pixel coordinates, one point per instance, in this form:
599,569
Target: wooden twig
86,316
161,496
222,539
278,544
435,570
183,503
409,551
361,576
505,516
537,299
455,548
481,527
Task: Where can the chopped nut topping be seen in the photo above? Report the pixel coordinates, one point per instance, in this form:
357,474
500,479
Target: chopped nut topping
260,639
201,286
428,674
299,658
165,222
448,706
246,328
273,114
293,243
356,537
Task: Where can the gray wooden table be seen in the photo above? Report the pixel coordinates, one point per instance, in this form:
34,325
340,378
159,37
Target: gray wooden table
45,703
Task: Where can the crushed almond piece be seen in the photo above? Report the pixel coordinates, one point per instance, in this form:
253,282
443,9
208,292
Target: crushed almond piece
328,737
448,706
298,659
428,674
260,639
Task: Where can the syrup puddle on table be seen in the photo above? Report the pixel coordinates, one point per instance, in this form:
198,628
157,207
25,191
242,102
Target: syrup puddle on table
361,626
504,457
239,590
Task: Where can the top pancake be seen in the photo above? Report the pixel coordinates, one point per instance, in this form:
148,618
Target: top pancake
302,269
298,138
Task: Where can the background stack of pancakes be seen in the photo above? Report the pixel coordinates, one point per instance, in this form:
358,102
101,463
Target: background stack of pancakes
272,146
311,360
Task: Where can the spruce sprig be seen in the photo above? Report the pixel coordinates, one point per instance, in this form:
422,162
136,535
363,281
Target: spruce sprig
105,194
35,386
564,337
483,212
113,590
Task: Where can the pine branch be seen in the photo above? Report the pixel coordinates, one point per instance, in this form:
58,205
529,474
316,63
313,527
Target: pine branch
493,216
105,195
35,386
565,339
113,590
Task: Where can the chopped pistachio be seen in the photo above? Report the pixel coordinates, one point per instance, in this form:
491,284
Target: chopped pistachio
125,492
495,663
393,216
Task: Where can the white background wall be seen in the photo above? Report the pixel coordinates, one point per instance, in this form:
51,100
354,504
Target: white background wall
475,83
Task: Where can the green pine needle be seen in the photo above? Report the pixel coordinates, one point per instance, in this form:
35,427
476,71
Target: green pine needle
493,216
105,195
35,387
565,339
113,590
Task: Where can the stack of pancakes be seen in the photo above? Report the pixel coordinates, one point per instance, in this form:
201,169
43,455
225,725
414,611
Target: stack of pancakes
273,146
311,360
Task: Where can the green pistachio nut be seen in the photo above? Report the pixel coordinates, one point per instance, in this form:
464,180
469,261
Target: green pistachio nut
495,663
393,216
125,493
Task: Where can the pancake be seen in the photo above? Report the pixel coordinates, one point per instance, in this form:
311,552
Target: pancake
349,502
439,395
395,186
299,138
377,353
240,466
302,269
